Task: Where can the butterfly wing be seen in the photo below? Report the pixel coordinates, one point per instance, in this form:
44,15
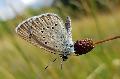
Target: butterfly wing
46,31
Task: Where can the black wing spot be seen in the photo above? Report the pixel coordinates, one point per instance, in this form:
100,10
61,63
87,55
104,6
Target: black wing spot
30,36
52,36
52,27
42,31
56,24
66,44
71,45
43,28
45,42
37,21
48,14
62,37
43,16
43,37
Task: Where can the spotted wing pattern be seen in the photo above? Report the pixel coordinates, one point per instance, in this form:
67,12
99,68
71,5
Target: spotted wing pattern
46,31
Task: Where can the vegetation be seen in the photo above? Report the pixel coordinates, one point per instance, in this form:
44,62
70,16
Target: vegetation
21,60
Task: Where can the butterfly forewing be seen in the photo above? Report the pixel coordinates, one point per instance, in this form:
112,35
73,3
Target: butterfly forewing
45,31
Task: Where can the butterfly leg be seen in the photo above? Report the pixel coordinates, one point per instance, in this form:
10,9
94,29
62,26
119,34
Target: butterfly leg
61,64
50,63
63,58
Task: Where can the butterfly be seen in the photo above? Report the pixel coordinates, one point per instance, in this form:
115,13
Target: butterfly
48,31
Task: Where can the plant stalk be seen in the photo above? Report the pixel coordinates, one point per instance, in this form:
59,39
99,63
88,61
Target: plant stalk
105,40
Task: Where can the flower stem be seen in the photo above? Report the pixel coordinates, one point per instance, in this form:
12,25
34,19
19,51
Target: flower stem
105,40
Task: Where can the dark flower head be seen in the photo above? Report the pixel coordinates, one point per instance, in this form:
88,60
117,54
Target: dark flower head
83,46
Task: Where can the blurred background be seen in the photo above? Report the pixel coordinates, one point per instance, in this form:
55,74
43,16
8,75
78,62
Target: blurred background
96,19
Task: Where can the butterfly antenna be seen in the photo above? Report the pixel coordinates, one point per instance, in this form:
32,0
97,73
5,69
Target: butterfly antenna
50,63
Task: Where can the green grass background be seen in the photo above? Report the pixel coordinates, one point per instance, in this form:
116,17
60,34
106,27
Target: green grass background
21,60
